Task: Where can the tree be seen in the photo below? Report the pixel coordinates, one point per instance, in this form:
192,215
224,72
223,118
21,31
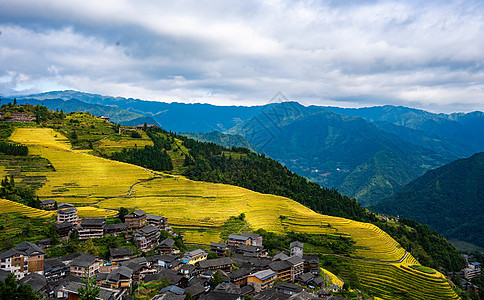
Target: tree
123,211
8,115
89,291
10,289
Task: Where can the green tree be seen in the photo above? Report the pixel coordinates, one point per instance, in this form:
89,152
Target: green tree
89,291
8,115
10,289
123,211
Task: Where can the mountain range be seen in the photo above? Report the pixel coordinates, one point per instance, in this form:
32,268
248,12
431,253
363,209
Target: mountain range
367,153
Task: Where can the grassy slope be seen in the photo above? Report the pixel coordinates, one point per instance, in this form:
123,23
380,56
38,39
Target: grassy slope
200,207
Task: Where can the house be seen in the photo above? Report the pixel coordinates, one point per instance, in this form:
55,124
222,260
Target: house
289,288
238,240
106,119
262,280
85,265
55,269
297,248
304,279
135,220
64,229
166,246
147,237
161,261
196,290
44,244
37,282
249,250
311,264
192,257
48,204
70,292
67,215
119,254
172,276
161,222
240,276
91,228
189,270
297,266
473,270
65,205
283,269
223,263
220,249
115,229
172,289
120,278
140,267
22,260
255,239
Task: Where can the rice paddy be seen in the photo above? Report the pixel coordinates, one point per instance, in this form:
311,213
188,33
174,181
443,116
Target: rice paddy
7,206
198,209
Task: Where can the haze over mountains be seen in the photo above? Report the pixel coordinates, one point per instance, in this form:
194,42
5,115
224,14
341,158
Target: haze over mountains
367,153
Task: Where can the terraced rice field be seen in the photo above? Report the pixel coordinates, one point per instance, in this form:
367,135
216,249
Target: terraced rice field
7,206
399,281
199,208
112,144
333,279
79,177
93,212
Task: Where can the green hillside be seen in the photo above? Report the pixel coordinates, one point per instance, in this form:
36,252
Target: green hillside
450,199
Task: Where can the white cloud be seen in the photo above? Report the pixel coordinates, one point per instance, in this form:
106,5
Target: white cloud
364,52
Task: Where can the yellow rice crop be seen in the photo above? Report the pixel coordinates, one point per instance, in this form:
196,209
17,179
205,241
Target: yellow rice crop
333,279
7,206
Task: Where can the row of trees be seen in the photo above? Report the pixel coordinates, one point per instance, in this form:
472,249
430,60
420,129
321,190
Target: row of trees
13,149
24,195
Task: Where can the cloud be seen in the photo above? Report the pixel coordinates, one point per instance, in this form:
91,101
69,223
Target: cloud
427,55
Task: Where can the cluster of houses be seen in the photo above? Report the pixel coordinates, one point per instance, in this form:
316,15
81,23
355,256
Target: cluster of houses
471,271
242,263
146,228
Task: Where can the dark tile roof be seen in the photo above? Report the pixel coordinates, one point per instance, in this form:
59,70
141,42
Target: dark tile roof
84,260
295,260
101,276
147,230
284,286
271,294
43,242
136,213
196,289
117,226
305,296
93,222
296,244
218,245
3,274
171,275
64,205
29,249
312,259
9,253
251,235
70,210
238,237
154,218
228,287
280,256
173,289
279,265
213,263
48,202
318,281
70,257
65,281
119,273
239,273
167,243
247,289
37,281
104,294
168,296
305,277
64,225
52,263
126,251
250,248
220,296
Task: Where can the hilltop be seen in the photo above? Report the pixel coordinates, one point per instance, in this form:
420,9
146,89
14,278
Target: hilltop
450,199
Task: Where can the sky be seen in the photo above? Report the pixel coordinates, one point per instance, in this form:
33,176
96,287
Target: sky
423,54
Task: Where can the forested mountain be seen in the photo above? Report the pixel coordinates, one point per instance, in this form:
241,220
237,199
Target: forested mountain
449,199
345,152
459,134
222,139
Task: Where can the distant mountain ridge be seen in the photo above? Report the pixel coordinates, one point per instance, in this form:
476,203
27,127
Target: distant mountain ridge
367,153
450,199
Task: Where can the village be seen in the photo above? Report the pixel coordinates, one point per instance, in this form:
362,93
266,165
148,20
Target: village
238,269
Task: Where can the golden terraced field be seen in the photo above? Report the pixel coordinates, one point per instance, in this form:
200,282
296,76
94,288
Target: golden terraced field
199,208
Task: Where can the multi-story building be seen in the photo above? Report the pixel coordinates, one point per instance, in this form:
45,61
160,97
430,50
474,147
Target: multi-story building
85,265
262,280
283,269
297,266
68,214
135,220
147,237
91,228
238,240
255,239
192,257
473,270
161,222
48,204
22,260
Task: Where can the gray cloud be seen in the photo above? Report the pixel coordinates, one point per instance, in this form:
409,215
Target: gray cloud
349,53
